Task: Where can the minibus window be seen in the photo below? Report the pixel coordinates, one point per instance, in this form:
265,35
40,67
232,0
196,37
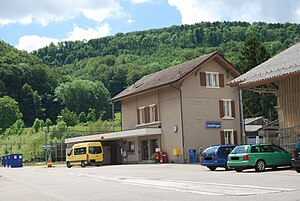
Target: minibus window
79,151
95,150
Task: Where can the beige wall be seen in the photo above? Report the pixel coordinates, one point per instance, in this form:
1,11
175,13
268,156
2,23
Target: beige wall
196,135
168,101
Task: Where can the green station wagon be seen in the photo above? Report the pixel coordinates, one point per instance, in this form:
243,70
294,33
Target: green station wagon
258,156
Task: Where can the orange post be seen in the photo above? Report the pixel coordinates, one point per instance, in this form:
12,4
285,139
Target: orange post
49,163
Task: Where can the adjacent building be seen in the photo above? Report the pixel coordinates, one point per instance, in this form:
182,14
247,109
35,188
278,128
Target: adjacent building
280,74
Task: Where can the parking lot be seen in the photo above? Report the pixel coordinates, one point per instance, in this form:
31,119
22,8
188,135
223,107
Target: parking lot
147,182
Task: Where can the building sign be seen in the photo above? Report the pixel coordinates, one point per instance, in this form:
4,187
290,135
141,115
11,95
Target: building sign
213,124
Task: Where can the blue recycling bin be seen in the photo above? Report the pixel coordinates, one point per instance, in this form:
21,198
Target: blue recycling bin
2,161
15,160
192,153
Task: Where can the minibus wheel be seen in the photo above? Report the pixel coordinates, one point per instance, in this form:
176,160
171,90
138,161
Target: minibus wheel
69,165
82,164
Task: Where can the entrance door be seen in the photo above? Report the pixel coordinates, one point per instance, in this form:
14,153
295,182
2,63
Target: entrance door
153,145
145,154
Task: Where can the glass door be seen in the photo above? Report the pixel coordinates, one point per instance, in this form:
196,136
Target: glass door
145,150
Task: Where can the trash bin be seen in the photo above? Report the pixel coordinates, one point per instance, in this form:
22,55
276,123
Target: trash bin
2,161
192,153
15,160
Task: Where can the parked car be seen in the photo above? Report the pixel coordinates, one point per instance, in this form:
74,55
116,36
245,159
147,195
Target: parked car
258,156
296,156
216,156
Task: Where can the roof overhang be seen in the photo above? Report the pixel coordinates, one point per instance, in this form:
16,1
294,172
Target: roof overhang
116,135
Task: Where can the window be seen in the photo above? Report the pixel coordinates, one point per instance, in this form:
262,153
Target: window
147,114
227,109
95,150
153,113
131,147
228,135
80,151
212,79
141,115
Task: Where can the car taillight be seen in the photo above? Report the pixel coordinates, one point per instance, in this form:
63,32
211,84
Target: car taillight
246,158
293,154
87,157
216,158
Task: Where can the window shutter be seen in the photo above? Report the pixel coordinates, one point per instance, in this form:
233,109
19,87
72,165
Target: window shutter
138,116
235,137
232,109
221,106
147,114
202,79
222,137
221,80
156,113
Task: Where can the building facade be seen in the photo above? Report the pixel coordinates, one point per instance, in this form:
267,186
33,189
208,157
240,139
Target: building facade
189,103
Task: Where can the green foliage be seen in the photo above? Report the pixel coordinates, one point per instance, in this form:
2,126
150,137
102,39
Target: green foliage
69,117
48,123
80,95
82,117
37,124
91,116
9,112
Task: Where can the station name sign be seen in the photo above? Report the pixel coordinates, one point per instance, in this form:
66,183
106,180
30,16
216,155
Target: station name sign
213,124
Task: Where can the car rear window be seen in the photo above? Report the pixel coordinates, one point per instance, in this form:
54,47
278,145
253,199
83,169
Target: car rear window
95,150
210,150
297,145
225,150
240,150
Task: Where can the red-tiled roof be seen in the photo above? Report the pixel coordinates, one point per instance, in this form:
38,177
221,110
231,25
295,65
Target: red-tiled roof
170,75
283,65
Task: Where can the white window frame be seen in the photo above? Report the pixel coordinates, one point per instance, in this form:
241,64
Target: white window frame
210,82
227,109
228,136
142,115
152,112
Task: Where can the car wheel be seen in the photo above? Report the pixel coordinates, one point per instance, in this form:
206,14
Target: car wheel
212,168
260,166
69,164
297,170
238,169
82,164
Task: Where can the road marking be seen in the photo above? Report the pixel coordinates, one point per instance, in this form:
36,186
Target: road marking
204,188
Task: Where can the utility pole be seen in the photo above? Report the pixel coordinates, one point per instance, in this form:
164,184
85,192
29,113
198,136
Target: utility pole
242,122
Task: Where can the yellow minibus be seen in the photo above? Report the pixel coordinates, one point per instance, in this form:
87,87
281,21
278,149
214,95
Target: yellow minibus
87,153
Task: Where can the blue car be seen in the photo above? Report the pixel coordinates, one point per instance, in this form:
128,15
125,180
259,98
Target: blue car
216,156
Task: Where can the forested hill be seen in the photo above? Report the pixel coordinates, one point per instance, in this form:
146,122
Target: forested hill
120,60
30,82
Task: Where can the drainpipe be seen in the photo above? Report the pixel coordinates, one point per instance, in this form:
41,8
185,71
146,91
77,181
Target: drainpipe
242,123
181,116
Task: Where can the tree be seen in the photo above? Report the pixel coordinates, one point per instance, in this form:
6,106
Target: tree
82,117
48,123
37,124
9,112
80,95
91,116
69,117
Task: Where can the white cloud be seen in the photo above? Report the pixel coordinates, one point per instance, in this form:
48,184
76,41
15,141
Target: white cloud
193,11
34,42
87,34
130,21
46,11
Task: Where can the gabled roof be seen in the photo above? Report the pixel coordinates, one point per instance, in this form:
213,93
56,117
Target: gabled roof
250,120
285,64
172,75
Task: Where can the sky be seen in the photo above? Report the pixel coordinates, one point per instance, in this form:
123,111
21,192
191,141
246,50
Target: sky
32,24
